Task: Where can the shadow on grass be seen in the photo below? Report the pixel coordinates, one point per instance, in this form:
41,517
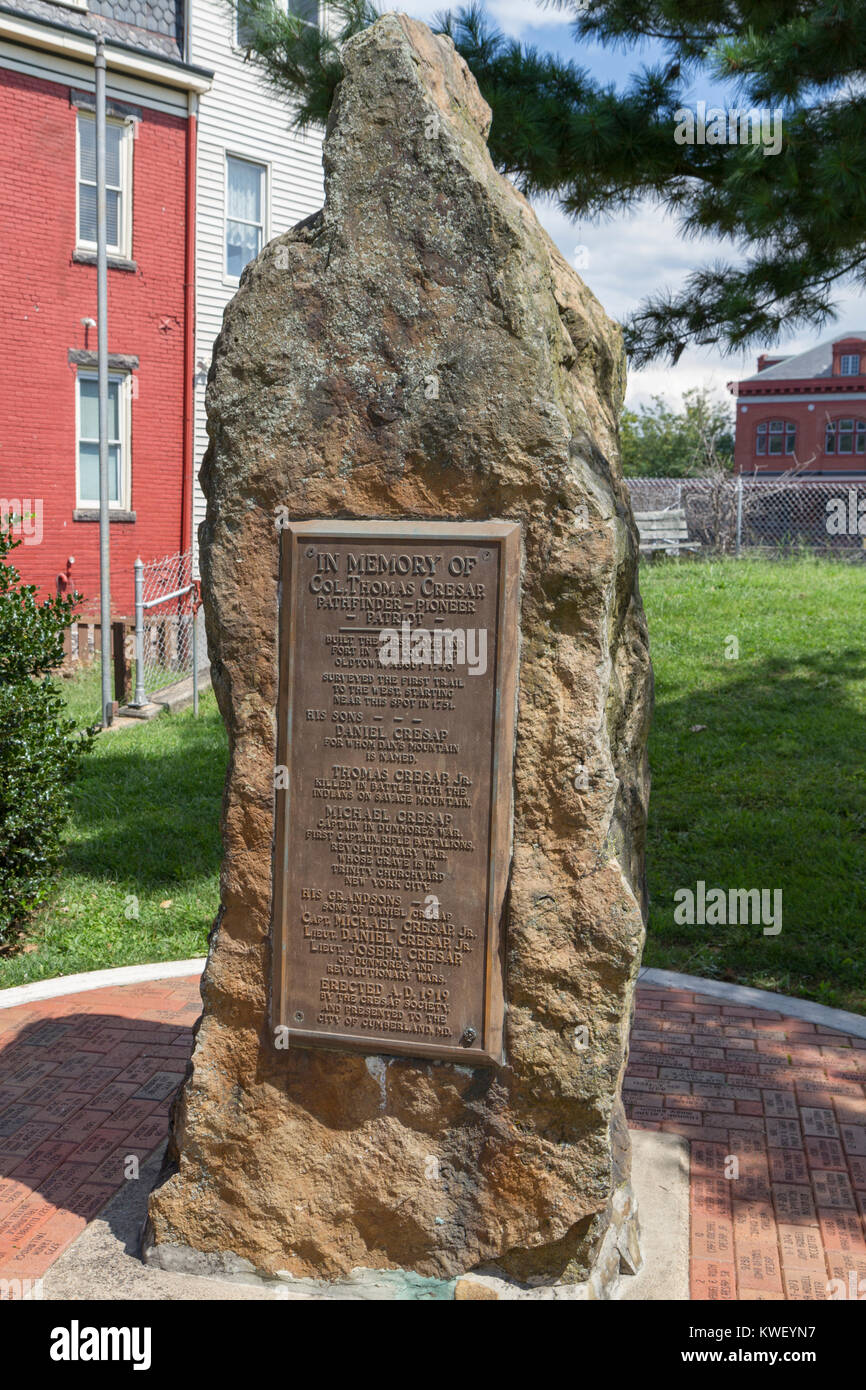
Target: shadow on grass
770,794
149,810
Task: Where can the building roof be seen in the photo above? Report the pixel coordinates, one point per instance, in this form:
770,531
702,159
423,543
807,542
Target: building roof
154,27
816,362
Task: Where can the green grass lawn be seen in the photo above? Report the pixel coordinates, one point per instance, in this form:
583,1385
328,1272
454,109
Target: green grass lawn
772,793
139,877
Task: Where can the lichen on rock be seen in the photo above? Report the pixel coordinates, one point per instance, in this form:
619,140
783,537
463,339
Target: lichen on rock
420,349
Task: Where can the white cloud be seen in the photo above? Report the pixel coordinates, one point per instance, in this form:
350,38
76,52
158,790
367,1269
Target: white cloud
513,17
632,256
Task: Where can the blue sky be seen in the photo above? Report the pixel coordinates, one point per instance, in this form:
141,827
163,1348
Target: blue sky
630,256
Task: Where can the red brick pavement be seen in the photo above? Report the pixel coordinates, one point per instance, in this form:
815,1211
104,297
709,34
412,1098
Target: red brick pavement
774,1111
85,1085
775,1114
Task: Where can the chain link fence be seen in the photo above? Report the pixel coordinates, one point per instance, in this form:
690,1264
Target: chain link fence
726,514
168,639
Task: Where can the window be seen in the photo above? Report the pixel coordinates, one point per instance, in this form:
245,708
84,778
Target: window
245,212
118,184
306,10
776,437
88,441
849,364
243,30
845,437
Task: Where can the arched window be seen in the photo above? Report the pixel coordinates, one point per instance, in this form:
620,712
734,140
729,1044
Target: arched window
776,437
845,437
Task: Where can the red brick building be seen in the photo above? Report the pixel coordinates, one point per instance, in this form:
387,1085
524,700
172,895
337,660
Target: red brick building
48,434
809,410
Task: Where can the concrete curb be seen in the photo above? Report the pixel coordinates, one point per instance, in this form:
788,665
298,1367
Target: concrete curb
17,995
660,1175
838,1019
178,696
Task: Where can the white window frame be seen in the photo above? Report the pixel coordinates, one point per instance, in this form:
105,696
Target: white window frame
778,430
265,167
845,368
849,425
124,502
124,248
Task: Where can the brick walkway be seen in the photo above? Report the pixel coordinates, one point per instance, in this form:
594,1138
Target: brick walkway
86,1081
775,1114
85,1084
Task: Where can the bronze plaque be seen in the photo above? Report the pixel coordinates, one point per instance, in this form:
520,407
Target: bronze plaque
398,665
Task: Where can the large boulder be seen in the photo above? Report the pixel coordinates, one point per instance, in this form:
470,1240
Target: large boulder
420,349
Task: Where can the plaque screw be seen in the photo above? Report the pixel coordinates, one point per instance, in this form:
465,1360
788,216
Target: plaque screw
485,554
299,1017
310,551
469,1036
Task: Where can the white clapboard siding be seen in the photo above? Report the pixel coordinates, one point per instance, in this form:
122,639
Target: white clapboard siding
240,116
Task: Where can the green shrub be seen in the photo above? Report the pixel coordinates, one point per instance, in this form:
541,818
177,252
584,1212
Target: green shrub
39,752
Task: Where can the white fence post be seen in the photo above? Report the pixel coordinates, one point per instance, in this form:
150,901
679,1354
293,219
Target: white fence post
140,698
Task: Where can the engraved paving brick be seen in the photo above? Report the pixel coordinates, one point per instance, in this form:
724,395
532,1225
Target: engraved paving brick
824,1153
805,1286
113,1096
29,1073
746,1141
753,1180
820,1122
130,1114
150,1133
12,1193
758,1267
788,1165
833,1189
92,1197
711,1239
850,1109
82,1124
708,1160
794,1204
36,1254
14,1116
710,1197
159,1086
26,1139
63,1182
41,1161
96,1147
801,1248
47,1034
141,1070
754,1224
117,1167
857,1170
713,1281
854,1139
850,1268
784,1134
842,1230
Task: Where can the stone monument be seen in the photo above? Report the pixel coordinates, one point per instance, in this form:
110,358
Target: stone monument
420,581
